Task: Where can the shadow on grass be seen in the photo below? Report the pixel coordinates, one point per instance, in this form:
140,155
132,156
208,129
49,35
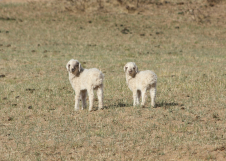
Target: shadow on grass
123,104
118,104
166,104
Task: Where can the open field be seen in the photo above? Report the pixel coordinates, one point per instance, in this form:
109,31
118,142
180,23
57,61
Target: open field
183,43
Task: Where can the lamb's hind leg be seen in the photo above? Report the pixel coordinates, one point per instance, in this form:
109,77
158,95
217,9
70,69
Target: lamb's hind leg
100,95
153,94
91,97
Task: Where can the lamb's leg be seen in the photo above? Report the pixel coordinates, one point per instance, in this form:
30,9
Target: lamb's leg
77,96
143,92
83,96
138,96
100,97
91,97
153,94
135,98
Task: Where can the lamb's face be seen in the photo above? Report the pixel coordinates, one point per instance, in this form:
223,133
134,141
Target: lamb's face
131,69
73,66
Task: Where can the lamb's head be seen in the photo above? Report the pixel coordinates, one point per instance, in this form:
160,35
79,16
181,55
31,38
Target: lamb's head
74,67
131,69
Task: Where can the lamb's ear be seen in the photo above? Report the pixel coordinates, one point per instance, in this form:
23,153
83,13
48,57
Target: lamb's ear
79,67
125,68
68,67
136,69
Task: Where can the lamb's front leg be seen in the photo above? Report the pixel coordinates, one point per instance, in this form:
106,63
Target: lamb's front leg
135,98
143,92
138,96
77,96
83,96
91,97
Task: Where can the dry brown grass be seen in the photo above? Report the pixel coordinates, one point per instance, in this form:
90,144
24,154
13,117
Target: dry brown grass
183,43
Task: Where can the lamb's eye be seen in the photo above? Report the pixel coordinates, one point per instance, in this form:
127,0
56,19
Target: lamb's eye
133,67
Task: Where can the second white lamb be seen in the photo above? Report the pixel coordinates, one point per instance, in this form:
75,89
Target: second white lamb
139,82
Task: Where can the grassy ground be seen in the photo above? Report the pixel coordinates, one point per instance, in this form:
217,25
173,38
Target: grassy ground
184,44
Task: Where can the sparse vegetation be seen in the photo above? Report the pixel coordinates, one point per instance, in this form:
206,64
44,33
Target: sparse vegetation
186,51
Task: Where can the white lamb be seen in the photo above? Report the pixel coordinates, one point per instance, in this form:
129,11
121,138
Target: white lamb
85,81
139,82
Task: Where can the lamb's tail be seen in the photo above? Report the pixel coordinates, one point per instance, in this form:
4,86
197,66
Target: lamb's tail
152,78
99,80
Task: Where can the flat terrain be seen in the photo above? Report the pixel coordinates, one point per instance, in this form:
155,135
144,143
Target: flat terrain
20,1
183,42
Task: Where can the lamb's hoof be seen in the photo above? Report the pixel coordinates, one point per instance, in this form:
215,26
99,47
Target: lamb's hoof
91,110
100,108
76,109
142,106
